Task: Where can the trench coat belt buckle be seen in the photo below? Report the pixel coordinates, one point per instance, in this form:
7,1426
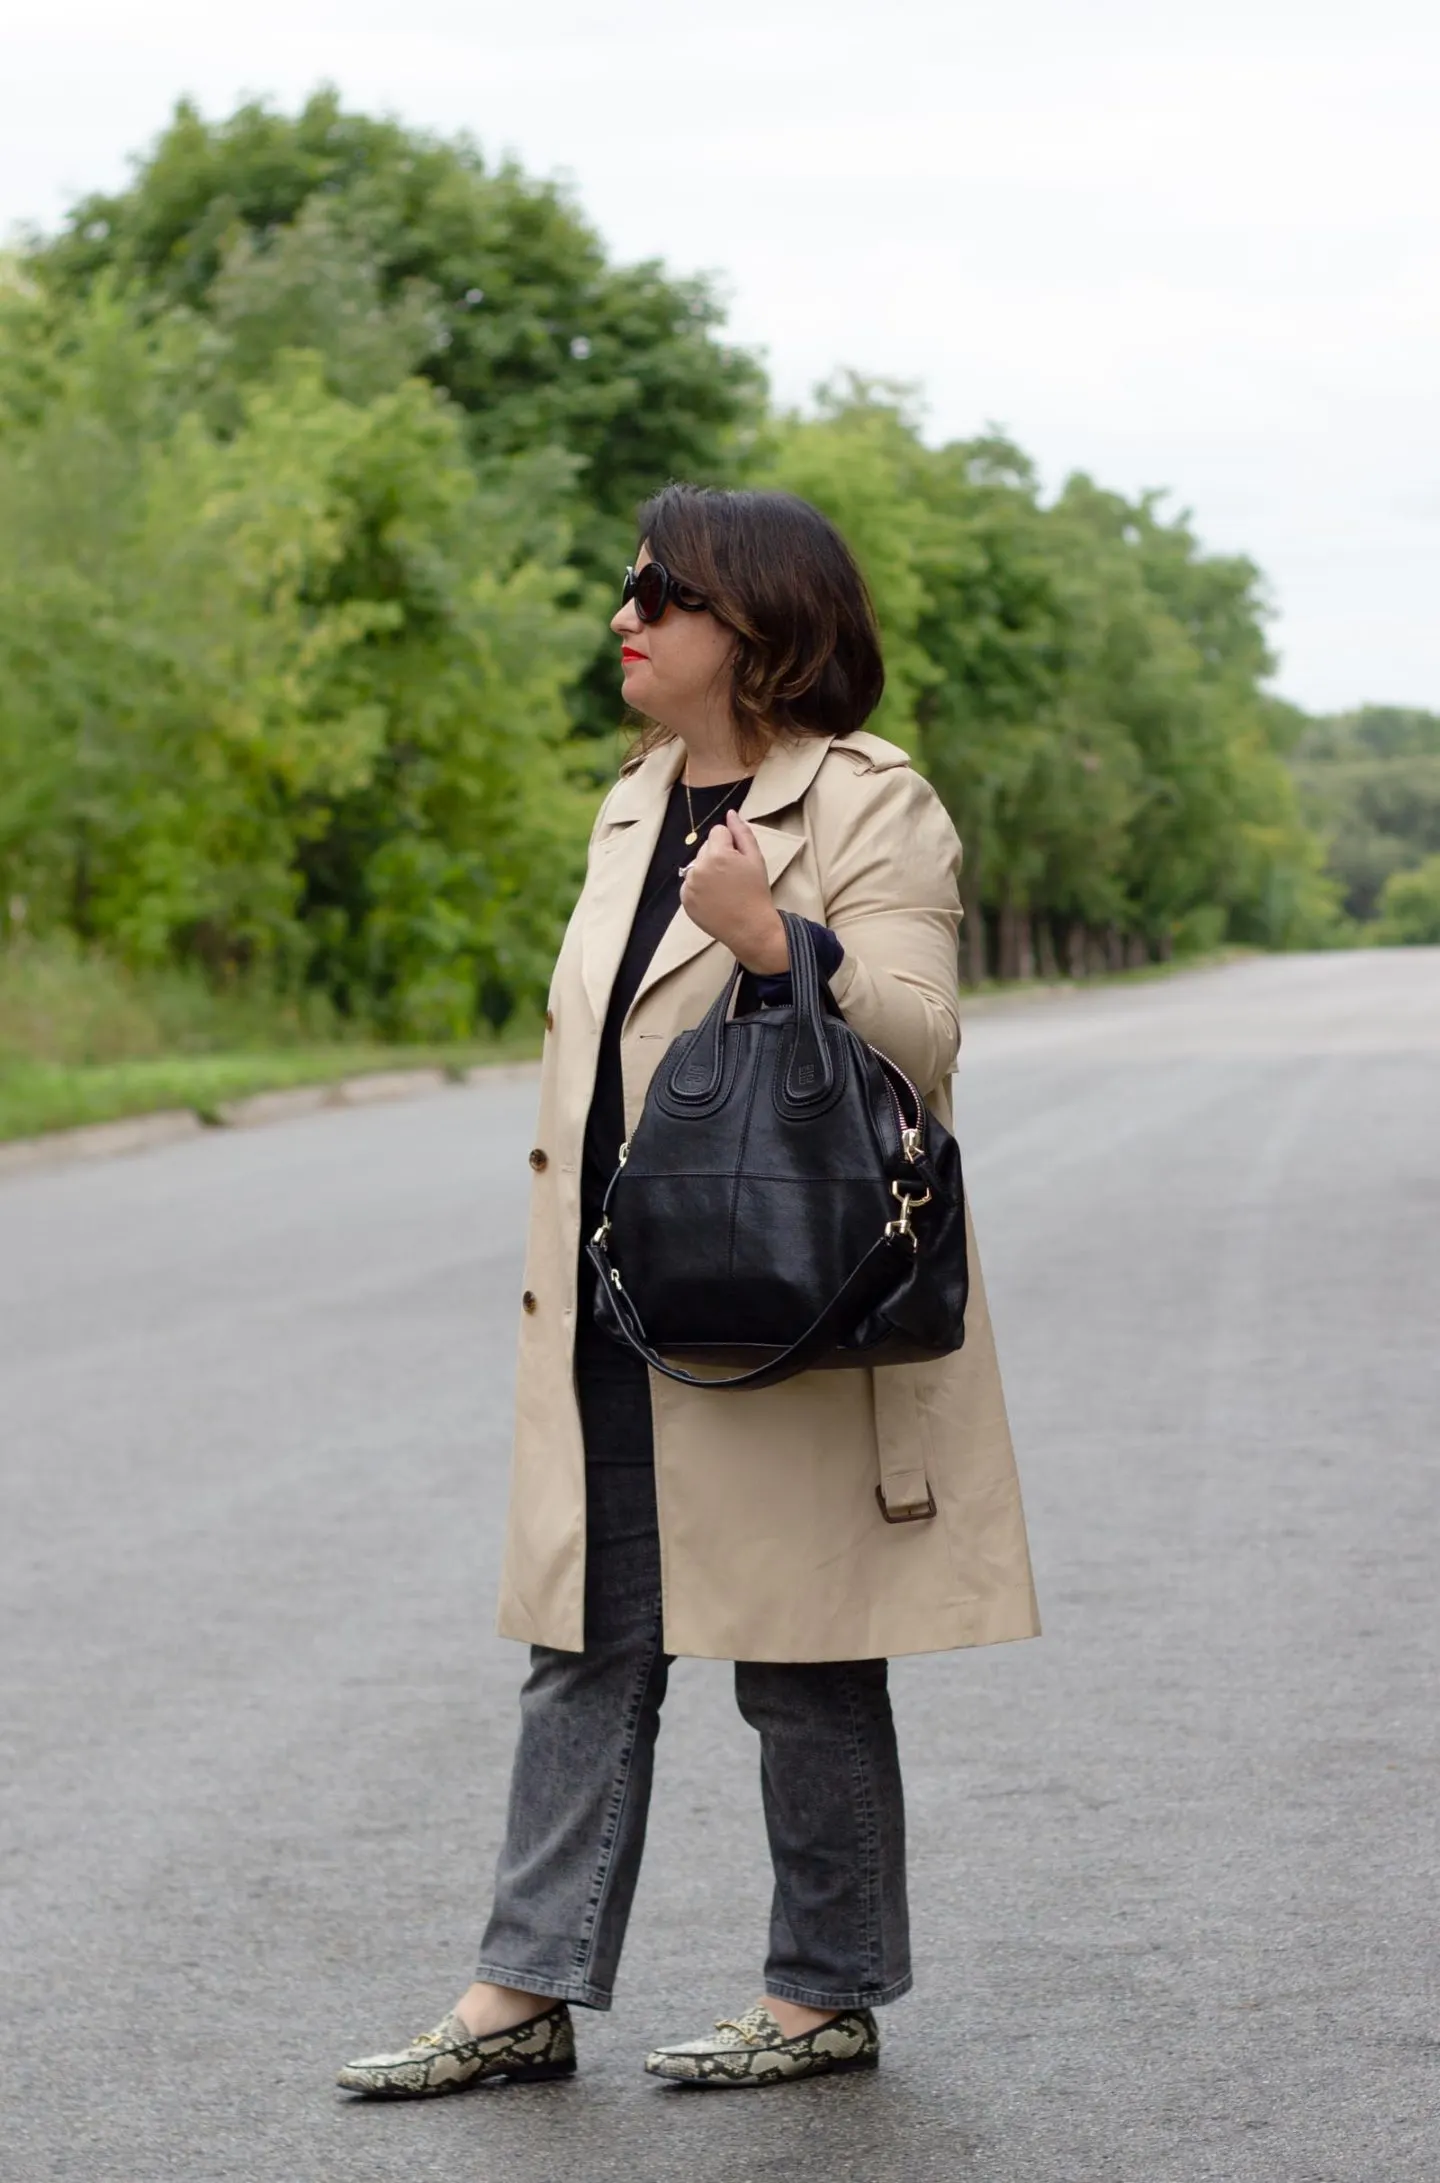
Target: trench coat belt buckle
906,1512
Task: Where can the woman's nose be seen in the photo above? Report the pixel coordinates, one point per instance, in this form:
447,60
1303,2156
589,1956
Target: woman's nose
626,622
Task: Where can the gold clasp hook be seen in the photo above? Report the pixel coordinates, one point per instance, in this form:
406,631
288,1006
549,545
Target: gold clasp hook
908,1205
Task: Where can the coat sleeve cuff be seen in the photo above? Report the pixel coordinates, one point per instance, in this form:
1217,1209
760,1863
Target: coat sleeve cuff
775,991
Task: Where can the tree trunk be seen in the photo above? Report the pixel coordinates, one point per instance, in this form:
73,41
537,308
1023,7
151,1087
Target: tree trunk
972,939
972,929
1008,967
1048,960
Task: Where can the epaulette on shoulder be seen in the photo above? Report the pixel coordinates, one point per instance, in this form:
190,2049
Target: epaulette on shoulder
871,753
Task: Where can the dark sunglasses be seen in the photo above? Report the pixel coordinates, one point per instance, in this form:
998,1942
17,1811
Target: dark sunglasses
653,588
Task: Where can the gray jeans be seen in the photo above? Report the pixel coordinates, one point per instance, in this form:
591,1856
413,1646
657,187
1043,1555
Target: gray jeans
580,1794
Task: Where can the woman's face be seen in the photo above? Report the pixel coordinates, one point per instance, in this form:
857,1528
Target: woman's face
674,670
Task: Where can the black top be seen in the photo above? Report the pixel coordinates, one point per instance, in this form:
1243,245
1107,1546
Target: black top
659,901
597,1355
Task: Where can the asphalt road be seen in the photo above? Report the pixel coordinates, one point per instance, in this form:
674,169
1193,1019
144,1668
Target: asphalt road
1174,1866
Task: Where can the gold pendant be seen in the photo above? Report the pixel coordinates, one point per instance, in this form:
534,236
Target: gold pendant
690,840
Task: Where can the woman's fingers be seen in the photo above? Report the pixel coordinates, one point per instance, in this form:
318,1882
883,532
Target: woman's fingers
725,888
742,835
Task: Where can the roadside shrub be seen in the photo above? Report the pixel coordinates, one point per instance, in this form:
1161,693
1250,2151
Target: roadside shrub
1410,908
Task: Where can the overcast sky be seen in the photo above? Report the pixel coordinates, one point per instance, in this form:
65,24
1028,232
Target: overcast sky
1192,247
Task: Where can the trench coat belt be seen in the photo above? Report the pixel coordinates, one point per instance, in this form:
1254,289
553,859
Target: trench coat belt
904,1491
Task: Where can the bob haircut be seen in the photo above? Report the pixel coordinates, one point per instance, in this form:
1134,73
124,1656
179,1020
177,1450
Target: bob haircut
777,572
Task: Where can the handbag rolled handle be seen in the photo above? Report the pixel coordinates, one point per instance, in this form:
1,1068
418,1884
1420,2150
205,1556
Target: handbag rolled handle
810,1063
810,1067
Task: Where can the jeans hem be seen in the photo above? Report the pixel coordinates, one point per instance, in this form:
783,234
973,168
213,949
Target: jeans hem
810,1997
580,1991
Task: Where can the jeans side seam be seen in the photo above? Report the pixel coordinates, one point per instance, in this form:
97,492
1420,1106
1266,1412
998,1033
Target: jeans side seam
605,1863
865,1800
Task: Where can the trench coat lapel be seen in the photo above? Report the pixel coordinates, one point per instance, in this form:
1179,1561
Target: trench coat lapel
636,812
784,774
612,892
682,941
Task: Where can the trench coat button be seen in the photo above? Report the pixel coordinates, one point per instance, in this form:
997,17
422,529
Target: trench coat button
528,1300
549,1019
539,1160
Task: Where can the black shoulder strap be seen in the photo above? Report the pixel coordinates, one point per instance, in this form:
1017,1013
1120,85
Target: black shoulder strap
873,1278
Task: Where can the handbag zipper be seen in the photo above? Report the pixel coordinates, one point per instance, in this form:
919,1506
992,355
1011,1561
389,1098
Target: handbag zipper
912,1136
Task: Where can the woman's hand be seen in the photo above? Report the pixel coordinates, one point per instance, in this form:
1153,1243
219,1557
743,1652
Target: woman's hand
726,892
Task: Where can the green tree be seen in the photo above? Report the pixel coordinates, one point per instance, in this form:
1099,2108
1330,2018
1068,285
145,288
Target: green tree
1041,787
1217,843
1084,685
385,250
1410,908
319,448
288,699
856,461
1369,784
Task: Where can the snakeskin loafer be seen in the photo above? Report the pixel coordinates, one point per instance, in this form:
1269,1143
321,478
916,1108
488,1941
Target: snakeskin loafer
451,2057
753,2050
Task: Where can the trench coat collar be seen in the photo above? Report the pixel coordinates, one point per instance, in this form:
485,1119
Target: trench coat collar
633,819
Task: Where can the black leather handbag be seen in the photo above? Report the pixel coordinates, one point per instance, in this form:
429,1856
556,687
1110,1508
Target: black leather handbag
786,1201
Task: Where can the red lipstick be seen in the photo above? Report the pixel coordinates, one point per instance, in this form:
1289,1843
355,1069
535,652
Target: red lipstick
628,651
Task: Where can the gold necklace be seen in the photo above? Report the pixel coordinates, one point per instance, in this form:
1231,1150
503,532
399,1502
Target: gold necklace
694,834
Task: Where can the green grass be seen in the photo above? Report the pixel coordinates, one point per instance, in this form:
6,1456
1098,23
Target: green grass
36,1097
69,1005
83,1040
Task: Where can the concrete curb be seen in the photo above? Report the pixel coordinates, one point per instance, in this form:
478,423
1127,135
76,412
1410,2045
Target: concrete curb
139,1133
503,1072
387,1084
274,1106
99,1140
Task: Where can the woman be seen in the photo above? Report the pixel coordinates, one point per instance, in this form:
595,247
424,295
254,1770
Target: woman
807,1531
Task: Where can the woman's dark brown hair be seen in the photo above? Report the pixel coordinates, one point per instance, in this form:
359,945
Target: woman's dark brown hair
772,568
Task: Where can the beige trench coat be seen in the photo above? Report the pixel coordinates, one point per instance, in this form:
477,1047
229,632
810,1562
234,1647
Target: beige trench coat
773,1546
